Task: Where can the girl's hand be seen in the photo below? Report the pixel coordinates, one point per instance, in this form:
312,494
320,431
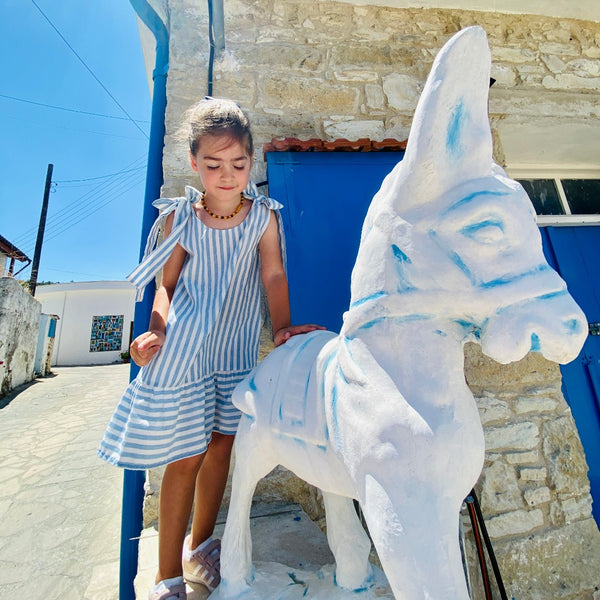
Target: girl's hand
145,346
283,335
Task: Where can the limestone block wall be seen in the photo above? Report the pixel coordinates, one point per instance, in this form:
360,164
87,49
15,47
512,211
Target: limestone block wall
305,68
317,69
19,326
534,491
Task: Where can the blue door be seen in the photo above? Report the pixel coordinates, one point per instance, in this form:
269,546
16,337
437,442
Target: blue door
326,196
573,252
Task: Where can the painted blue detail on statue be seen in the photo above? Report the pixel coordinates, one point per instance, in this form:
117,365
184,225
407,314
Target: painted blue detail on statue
372,297
454,144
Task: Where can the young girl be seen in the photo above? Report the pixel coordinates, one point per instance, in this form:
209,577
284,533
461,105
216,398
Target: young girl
202,340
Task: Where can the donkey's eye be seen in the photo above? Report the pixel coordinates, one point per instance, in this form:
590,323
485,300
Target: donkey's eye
485,232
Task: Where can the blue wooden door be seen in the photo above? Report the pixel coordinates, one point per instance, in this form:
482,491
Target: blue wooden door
573,252
325,196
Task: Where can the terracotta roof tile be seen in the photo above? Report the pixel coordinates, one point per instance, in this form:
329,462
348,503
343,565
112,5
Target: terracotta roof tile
292,144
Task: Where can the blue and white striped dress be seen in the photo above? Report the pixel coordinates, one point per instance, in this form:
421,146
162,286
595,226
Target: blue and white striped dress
170,409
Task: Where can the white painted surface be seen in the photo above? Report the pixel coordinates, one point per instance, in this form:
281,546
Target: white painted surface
581,9
565,146
76,304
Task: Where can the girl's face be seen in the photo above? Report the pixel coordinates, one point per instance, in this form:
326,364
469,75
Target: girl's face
223,165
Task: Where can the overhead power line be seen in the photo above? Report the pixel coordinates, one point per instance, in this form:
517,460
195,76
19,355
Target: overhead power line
62,37
57,270
100,176
100,201
88,203
96,206
73,110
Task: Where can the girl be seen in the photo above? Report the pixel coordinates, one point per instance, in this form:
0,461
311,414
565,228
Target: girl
202,340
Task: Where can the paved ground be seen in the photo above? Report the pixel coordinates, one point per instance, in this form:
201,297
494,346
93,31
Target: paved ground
60,505
280,533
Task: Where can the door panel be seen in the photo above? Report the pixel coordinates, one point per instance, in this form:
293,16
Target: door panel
325,196
573,252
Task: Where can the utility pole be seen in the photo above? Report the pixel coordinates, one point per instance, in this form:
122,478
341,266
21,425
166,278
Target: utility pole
40,234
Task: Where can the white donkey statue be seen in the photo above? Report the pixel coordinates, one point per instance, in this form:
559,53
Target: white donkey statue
381,413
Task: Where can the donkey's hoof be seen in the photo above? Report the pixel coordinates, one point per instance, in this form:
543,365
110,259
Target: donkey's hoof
232,588
349,581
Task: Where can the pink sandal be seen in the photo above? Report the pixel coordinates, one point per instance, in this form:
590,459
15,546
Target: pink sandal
204,566
174,592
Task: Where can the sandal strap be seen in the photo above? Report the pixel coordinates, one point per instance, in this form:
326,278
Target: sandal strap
209,556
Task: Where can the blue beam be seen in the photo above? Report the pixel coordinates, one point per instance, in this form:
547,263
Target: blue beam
133,481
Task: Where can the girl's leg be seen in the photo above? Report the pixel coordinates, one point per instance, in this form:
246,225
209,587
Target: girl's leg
175,505
210,486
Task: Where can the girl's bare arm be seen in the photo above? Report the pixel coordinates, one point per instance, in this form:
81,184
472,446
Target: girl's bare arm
146,345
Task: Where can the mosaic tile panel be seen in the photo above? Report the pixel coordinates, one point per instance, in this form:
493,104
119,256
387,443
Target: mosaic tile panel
107,333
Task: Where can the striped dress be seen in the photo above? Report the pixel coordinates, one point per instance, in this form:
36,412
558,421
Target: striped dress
170,409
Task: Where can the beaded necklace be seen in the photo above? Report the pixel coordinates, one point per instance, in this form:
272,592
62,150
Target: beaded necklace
215,216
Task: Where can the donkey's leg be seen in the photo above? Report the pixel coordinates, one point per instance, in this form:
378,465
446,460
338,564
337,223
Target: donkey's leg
236,545
449,512
417,542
348,542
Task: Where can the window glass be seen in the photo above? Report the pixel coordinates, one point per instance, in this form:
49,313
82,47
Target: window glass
543,195
583,195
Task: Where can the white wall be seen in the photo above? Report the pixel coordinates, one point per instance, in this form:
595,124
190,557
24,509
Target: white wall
76,304
581,9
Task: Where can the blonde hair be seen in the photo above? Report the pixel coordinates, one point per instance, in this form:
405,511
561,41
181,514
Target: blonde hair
216,116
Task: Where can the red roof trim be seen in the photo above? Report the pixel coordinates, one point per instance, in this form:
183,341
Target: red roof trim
291,144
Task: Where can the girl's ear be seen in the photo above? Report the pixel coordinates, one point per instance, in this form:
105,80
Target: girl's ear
193,162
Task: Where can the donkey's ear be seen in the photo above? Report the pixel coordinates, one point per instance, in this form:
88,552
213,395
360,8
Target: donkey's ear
450,139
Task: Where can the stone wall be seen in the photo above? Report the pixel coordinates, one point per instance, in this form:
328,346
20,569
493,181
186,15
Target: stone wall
19,326
316,69
534,490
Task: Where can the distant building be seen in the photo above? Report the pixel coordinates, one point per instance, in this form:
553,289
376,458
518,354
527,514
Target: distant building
8,254
95,320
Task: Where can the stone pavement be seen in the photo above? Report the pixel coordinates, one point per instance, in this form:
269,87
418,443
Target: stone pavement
280,533
60,505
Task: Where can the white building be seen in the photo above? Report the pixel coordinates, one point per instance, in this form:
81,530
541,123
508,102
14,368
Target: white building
95,320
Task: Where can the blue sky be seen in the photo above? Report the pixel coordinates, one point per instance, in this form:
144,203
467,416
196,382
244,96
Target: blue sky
46,95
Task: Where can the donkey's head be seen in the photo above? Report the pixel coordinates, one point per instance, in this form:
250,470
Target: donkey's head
457,235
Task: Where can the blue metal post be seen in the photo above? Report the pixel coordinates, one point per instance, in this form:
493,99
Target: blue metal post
133,481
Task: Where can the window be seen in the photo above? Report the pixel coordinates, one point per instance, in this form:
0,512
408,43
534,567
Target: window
559,201
544,196
107,333
583,195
